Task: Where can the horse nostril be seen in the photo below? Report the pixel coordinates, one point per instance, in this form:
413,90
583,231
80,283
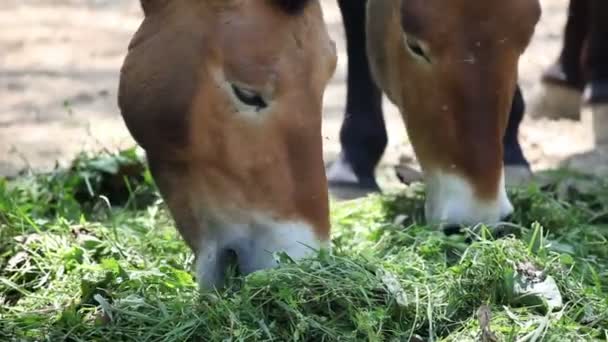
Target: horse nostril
452,229
507,218
229,262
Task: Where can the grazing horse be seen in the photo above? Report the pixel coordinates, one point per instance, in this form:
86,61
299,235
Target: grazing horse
363,135
451,68
225,97
580,74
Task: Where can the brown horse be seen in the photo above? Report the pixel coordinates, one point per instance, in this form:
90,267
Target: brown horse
225,96
451,68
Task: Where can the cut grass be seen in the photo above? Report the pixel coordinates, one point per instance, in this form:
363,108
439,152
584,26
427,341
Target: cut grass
74,267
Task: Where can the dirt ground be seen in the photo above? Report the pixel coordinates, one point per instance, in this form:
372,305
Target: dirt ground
59,67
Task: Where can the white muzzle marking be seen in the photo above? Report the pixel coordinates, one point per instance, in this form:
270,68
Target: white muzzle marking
451,200
254,244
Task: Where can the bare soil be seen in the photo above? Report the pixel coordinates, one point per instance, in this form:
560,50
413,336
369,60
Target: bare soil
59,68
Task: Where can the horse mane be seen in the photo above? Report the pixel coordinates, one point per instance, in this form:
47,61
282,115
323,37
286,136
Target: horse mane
293,7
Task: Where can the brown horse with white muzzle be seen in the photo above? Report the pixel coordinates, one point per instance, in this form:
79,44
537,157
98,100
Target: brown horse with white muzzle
225,96
451,68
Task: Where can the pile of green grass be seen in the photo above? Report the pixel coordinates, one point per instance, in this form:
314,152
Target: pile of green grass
90,254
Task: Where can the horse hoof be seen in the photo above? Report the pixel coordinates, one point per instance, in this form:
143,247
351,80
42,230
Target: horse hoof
554,101
344,184
599,114
517,175
556,74
596,92
345,192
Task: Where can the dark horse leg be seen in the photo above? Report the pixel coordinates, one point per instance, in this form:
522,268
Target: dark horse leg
363,133
595,64
562,83
517,167
567,71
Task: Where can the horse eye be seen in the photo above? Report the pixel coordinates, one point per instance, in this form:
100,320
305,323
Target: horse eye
249,97
416,48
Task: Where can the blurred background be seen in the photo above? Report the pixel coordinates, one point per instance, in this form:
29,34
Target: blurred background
59,69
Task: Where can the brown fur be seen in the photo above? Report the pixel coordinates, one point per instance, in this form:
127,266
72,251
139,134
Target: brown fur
455,107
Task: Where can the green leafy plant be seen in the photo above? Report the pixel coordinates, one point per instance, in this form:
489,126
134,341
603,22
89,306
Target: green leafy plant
90,254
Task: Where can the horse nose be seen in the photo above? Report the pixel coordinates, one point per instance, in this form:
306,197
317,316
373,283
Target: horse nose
238,258
257,251
251,247
452,201
454,229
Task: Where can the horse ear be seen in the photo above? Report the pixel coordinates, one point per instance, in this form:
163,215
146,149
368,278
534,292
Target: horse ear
149,6
293,6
